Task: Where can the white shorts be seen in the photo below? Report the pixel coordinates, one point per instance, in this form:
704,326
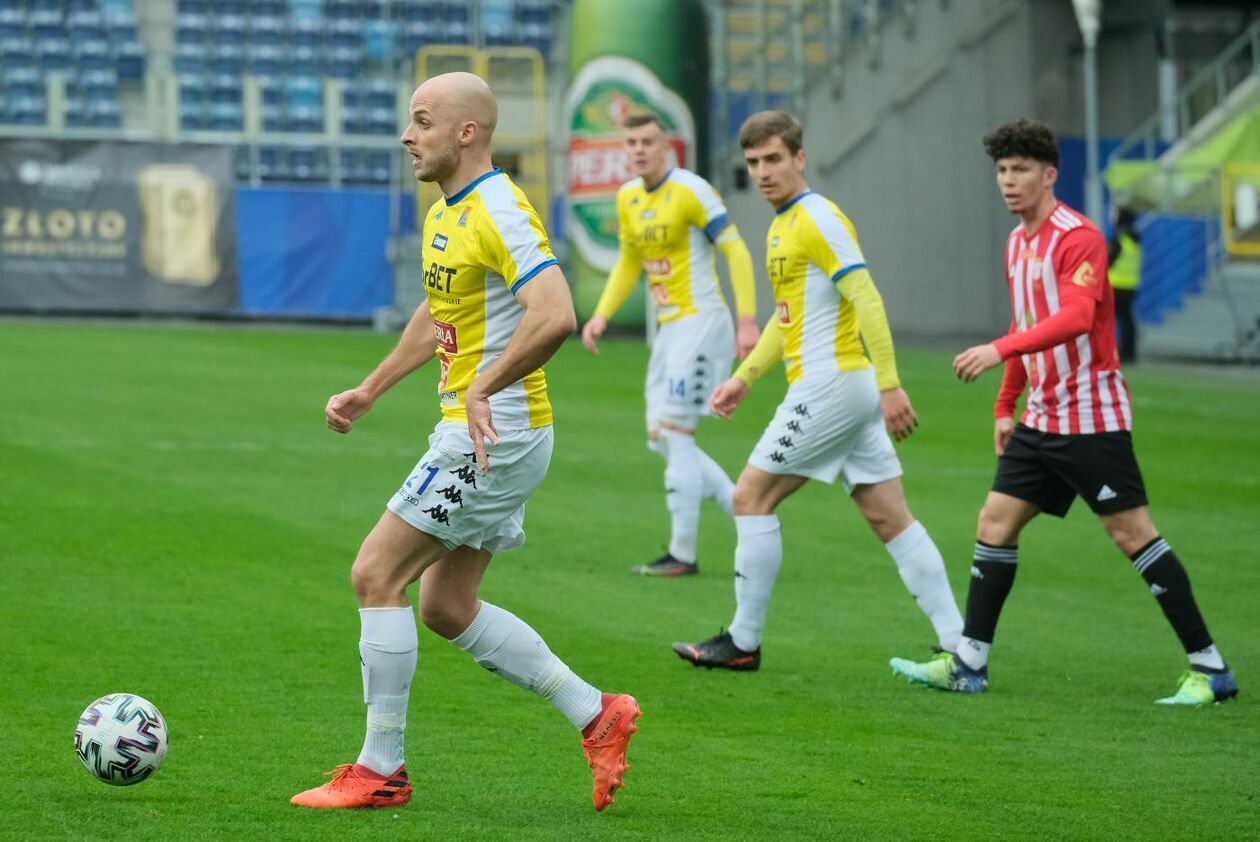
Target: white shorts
447,497
828,427
690,358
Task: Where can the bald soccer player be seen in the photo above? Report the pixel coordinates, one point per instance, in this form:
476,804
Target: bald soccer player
497,307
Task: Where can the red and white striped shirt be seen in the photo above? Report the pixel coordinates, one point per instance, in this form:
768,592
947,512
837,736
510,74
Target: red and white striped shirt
1062,342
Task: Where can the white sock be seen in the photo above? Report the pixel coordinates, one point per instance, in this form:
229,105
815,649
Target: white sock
973,653
684,487
504,644
923,571
1209,658
387,652
758,557
717,485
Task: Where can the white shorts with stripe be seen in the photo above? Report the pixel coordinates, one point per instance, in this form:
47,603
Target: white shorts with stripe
447,497
828,427
690,358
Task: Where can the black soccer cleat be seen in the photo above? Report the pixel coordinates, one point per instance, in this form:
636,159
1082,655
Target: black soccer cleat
667,565
721,652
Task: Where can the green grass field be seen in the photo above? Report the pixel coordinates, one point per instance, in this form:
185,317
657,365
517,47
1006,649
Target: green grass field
178,523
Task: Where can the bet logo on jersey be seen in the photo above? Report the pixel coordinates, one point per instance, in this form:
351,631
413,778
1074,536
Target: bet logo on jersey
438,277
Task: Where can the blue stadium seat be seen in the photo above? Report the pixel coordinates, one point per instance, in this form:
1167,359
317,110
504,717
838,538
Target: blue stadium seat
378,165
84,25
381,121
27,111
225,88
227,57
98,84
343,62
191,29
16,52
104,113
376,9
129,58
226,117
241,158
229,28
455,32
191,57
230,7
122,27
345,33
272,163
533,11
12,23
24,81
79,5
272,89
420,33
353,119
193,117
267,30
303,90
193,90
306,10
265,60
308,119
45,23
92,55
77,116
53,54
307,33
379,93
270,8
456,10
342,9
536,35
353,166
379,38
305,61
414,10
308,163
273,117
192,7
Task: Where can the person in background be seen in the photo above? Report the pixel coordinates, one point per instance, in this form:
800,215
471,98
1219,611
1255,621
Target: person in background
1124,257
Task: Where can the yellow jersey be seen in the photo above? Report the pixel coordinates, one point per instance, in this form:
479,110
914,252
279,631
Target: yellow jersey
480,247
810,246
669,228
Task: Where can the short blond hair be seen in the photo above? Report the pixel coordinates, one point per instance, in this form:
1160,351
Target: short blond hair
764,125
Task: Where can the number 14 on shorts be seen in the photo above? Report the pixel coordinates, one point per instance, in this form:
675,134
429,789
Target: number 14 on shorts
422,470
678,387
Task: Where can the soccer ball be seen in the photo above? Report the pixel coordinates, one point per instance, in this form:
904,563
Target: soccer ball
121,739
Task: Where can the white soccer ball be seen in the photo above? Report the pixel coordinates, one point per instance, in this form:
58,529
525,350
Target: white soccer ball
121,739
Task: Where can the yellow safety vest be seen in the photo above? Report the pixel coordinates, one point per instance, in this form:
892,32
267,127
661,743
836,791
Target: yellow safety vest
1126,272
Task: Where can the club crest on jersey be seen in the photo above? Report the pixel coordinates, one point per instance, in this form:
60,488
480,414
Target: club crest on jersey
438,215
648,214
439,242
774,241
463,218
1084,275
447,337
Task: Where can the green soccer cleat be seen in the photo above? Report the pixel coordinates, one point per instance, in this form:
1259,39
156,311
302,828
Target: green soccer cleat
1199,687
944,671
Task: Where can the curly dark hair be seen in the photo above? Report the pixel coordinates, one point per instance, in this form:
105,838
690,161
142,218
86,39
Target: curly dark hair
1023,138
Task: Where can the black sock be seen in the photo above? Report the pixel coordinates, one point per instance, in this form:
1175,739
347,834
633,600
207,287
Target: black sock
1162,570
992,574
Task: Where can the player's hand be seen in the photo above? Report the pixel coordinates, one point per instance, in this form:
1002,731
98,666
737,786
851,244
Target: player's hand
480,425
747,332
899,415
344,408
975,361
1002,429
727,396
592,331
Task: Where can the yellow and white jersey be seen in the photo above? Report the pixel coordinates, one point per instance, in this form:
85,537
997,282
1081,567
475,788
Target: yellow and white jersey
669,228
479,247
811,245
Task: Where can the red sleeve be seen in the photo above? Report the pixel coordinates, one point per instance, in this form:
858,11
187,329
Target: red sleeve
1080,268
1014,378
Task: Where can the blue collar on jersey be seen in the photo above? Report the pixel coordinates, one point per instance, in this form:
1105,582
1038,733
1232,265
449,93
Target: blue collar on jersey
795,199
458,197
664,179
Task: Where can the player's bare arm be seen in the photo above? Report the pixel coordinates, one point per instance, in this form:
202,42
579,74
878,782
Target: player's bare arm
548,321
415,347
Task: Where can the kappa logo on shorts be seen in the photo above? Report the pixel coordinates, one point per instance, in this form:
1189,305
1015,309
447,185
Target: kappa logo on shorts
795,427
452,495
777,457
701,358
700,372
437,513
801,410
785,441
468,474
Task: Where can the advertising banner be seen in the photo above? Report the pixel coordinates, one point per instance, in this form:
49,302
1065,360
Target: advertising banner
650,56
117,227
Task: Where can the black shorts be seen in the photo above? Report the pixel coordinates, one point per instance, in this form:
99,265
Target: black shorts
1050,470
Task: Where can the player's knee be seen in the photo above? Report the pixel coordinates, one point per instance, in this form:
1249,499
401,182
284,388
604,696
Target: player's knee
996,527
370,577
749,500
1130,534
446,617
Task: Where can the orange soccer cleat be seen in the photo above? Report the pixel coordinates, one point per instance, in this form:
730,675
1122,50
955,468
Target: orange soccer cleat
604,742
354,785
